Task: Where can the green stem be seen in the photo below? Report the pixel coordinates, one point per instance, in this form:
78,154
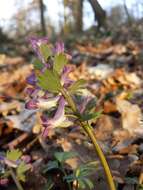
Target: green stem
19,186
104,163
65,174
88,129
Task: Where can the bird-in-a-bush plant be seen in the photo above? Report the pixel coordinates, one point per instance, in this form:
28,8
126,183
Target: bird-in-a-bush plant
57,97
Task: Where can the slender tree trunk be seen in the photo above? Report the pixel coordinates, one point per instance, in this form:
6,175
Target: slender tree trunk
127,14
65,28
79,16
100,14
42,19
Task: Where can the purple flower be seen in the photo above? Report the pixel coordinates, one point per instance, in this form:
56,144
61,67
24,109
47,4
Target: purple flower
26,158
48,103
4,182
36,43
59,47
2,158
29,91
65,80
58,120
42,103
32,79
31,104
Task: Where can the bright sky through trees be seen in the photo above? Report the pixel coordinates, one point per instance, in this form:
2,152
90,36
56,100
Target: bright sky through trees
8,8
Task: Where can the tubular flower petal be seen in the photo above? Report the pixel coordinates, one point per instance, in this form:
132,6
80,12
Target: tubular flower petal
65,80
31,104
35,43
58,119
29,91
59,47
48,103
31,79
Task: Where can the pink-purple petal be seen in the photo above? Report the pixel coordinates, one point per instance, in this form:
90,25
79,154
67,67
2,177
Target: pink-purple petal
31,104
59,47
31,79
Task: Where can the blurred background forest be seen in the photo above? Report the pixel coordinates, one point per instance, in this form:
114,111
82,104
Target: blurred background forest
70,18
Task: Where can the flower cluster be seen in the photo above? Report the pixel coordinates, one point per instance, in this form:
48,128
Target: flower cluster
50,85
44,89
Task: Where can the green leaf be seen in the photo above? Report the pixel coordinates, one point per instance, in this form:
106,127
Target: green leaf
90,105
45,51
37,64
51,165
131,180
89,183
69,178
77,85
81,184
59,62
87,117
13,154
49,185
81,174
86,169
20,171
63,156
50,81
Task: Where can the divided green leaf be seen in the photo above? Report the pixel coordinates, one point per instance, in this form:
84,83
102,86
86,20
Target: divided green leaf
77,85
50,81
87,117
13,154
81,175
59,62
51,165
63,156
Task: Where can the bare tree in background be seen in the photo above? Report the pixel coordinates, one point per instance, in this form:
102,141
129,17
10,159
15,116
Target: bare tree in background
79,16
129,19
42,18
100,14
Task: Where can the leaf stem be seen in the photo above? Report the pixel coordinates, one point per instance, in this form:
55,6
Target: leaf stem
65,174
19,186
89,131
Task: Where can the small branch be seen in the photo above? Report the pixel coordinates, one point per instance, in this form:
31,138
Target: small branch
15,142
19,186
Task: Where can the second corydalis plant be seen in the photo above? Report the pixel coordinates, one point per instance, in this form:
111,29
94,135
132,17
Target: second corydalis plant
53,90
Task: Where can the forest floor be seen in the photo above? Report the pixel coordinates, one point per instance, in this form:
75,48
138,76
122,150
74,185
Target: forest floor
114,73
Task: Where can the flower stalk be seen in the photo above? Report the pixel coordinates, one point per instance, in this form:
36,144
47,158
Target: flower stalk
89,131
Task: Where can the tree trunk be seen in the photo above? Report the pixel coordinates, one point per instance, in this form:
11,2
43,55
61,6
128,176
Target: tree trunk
79,16
129,19
42,19
100,14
